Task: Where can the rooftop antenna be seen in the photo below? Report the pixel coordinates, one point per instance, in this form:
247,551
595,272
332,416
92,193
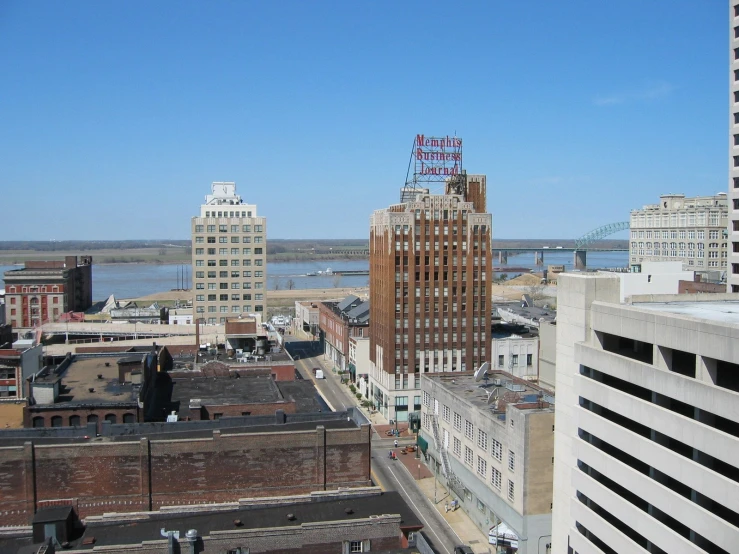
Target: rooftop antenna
482,373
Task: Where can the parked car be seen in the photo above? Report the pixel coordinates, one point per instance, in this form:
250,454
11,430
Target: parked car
463,549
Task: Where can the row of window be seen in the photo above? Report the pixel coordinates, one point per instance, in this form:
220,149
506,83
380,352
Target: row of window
225,251
76,421
13,289
225,286
224,240
496,477
224,274
691,219
234,309
225,228
225,297
681,245
673,234
224,263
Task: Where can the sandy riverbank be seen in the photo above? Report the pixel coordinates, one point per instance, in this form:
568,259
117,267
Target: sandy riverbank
275,298
287,298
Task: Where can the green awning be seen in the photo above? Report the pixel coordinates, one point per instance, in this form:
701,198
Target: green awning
422,444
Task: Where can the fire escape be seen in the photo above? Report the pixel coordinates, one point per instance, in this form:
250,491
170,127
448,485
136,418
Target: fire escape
452,480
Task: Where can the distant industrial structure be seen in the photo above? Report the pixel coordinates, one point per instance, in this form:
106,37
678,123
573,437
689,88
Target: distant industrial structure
229,257
41,291
690,230
430,277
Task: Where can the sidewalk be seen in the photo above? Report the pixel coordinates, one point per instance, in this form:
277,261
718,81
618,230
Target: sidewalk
458,520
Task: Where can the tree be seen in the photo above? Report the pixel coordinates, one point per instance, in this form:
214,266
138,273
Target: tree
537,294
278,284
162,251
337,281
290,285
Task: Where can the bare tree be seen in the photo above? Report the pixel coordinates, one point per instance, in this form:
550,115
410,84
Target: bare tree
290,285
162,251
537,294
277,285
337,281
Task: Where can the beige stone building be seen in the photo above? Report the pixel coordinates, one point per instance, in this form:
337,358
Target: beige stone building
491,441
691,230
229,257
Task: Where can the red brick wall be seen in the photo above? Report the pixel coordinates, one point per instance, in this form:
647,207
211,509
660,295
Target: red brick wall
207,412
694,287
100,477
29,413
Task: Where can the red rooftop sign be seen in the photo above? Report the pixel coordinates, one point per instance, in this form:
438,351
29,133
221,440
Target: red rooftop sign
436,158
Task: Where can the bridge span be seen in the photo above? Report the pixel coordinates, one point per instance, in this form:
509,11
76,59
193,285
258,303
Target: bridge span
580,250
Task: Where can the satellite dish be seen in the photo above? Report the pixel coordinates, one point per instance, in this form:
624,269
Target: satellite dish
482,371
492,396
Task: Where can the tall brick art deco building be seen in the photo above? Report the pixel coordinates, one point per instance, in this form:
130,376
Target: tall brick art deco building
430,285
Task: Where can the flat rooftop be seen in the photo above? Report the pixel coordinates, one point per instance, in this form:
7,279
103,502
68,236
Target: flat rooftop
233,389
242,389
721,312
510,390
148,528
91,381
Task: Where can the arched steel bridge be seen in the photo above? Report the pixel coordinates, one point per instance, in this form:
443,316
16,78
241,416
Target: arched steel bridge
599,233
580,249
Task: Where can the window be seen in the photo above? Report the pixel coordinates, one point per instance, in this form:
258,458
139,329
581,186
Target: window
427,399
446,413
357,546
198,228
457,446
501,360
457,421
529,359
482,466
468,456
497,450
495,479
511,460
469,430
511,495
482,440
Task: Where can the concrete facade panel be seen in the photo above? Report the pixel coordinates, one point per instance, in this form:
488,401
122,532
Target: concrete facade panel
649,528
682,509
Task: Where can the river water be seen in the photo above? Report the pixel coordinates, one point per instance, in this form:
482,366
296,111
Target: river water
135,280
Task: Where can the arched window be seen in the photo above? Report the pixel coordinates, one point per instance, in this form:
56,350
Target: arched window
111,418
75,421
129,418
92,418
56,421
38,421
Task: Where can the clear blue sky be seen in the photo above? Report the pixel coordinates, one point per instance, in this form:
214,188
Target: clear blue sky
116,116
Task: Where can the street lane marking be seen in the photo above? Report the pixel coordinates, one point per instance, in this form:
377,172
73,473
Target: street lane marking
418,511
442,517
377,480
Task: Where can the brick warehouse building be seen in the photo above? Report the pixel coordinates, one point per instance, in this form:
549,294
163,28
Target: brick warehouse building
142,467
351,520
338,322
430,286
42,291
